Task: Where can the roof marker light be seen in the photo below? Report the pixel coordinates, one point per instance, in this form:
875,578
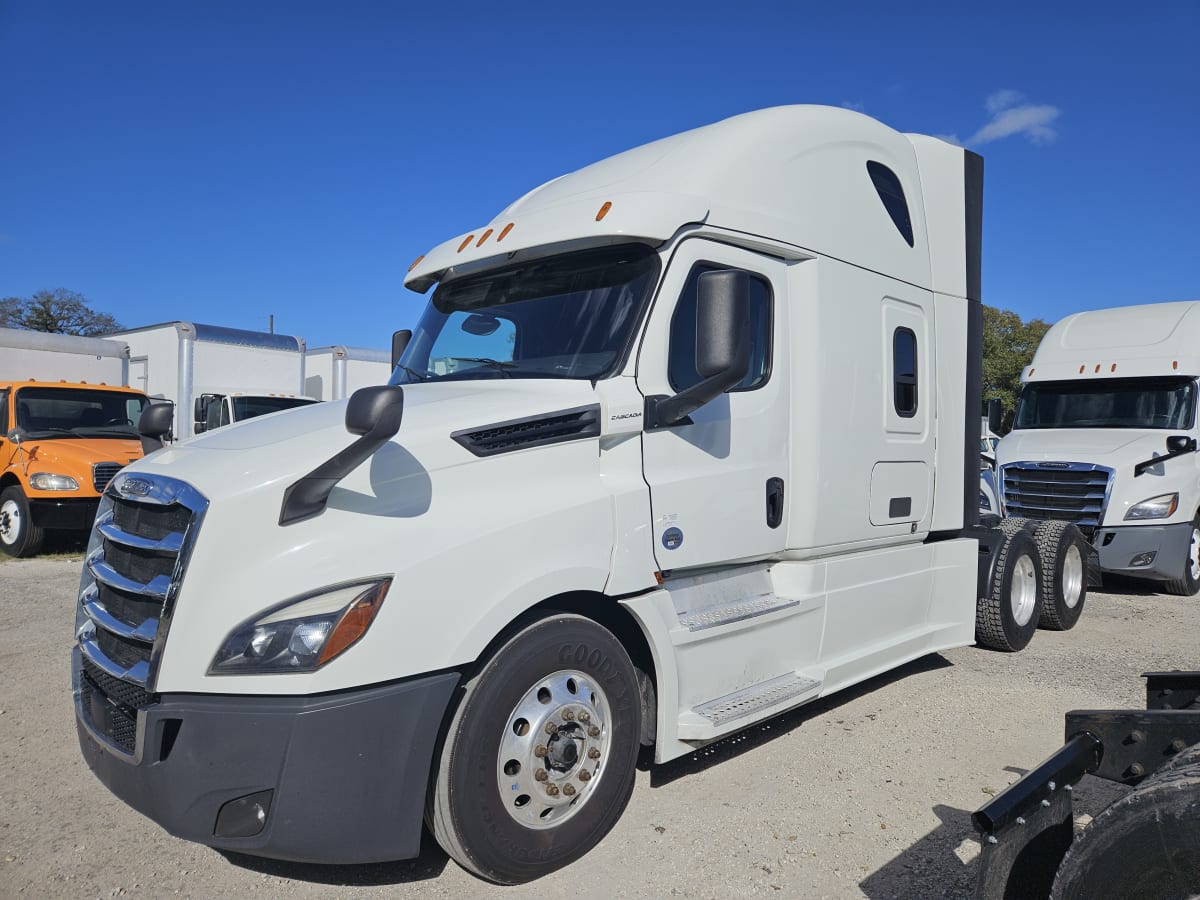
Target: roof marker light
604,210
1031,371
1097,367
1174,364
503,231
483,237
1081,370
416,262
466,242
1114,368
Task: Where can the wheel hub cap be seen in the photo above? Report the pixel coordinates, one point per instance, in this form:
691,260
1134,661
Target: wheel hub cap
1023,593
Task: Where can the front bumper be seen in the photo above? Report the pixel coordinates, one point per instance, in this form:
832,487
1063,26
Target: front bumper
74,514
346,772
1118,548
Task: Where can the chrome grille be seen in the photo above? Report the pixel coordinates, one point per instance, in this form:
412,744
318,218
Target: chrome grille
135,562
103,473
1075,492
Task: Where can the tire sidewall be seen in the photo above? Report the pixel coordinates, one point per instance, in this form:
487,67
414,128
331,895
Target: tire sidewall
1020,543
1190,582
1063,617
501,848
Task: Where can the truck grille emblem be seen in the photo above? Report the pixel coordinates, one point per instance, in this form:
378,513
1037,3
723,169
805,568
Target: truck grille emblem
135,487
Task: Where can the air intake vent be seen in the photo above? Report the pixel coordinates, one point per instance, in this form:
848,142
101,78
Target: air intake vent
535,431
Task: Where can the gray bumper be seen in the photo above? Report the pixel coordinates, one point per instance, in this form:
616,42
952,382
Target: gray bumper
346,773
1118,547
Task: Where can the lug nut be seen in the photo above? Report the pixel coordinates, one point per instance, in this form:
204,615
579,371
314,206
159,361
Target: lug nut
594,753
584,717
540,750
567,715
593,731
552,790
585,775
568,790
1137,770
551,728
540,775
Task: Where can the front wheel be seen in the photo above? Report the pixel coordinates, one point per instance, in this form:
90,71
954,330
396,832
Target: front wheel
18,535
1188,583
539,758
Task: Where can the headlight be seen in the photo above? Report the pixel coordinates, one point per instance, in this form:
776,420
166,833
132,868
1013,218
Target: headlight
1159,507
45,481
303,634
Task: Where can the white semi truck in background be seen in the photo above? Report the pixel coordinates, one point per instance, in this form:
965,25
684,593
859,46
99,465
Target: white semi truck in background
334,373
214,375
682,440
1105,436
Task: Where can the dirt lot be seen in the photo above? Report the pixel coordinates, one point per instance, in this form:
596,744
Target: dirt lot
867,793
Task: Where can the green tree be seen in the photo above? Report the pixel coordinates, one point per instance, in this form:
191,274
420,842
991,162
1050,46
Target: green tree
58,311
1008,347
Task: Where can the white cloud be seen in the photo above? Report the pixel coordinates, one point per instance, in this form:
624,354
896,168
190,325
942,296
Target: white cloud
1032,121
1002,100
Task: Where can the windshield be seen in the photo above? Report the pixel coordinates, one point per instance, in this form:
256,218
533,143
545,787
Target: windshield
1112,403
77,413
566,316
249,407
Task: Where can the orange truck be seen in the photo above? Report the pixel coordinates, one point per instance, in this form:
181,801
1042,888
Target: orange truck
67,426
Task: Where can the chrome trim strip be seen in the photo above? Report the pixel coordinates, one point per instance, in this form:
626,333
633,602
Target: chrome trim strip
107,575
138,674
170,544
146,632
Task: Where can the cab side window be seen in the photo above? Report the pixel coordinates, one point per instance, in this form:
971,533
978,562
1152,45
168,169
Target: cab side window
904,372
681,364
3,412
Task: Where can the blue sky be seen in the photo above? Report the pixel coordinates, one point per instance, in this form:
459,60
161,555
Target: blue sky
225,161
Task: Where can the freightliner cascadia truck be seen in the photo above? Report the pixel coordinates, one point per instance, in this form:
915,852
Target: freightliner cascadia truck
1105,436
682,440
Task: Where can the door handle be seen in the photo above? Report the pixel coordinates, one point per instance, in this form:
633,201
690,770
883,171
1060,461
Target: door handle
774,502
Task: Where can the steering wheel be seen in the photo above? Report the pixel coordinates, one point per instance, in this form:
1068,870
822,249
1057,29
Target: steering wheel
119,421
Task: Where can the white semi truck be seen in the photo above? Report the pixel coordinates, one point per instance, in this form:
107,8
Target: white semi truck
682,440
1105,436
334,373
214,375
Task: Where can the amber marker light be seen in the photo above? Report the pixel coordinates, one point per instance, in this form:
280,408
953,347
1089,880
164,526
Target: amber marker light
1114,368
354,623
1174,364
1097,367
466,242
1031,371
1081,370
504,231
604,210
416,262
483,237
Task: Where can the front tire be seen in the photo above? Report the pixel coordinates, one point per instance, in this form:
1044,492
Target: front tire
18,535
538,761
1189,582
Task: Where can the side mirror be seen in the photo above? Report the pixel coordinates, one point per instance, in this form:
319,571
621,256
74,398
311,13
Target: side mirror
400,341
1180,443
995,415
374,413
154,422
722,346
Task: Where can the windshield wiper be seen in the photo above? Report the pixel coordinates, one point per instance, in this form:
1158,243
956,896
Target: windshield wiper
502,367
420,376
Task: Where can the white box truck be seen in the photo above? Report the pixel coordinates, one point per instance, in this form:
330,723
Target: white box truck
1105,436
216,376
682,440
334,373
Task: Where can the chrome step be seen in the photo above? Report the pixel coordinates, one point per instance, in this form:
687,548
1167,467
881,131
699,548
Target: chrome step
736,611
748,701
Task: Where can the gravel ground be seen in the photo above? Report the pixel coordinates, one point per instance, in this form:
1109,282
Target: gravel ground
867,793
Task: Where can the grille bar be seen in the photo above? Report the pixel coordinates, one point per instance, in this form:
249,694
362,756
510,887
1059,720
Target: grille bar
144,632
106,574
103,473
138,673
171,543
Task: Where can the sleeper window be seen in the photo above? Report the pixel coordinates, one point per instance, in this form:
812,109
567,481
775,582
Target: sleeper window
904,372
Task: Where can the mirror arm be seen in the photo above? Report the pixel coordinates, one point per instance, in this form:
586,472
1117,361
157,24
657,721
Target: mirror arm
665,412
1140,468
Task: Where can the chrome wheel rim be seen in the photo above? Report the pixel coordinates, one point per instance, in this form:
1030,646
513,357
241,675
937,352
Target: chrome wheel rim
1194,555
10,522
553,750
1073,576
1022,595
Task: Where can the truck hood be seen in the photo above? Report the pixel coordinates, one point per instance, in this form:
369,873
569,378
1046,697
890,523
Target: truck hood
290,444
69,456
1110,447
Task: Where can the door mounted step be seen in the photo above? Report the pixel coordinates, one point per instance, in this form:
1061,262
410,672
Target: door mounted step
736,611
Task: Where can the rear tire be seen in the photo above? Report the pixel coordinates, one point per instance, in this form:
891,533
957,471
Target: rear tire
1064,552
1144,845
1007,617
1189,582
538,761
18,535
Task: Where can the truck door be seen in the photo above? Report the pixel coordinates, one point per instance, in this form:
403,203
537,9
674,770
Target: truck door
718,484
